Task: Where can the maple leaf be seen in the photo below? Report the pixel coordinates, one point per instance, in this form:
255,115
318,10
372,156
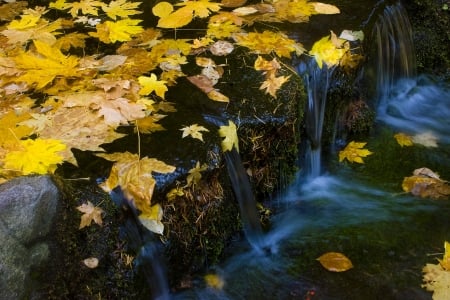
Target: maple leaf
229,133
39,156
11,129
45,65
86,6
90,213
150,84
9,11
183,15
220,30
194,130
121,8
268,42
445,261
119,31
195,174
32,27
151,219
134,176
272,84
325,51
148,124
74,39
403,139
354,152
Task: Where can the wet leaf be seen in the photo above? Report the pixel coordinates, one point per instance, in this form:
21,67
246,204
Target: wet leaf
90,213
354,152
426,184
150,84
194,130
214,281
195,174
217,96
325,51
335,262
445,262
326,9
229,133
436,277
403,139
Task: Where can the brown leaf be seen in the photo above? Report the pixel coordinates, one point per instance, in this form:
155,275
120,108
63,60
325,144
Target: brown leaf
90,213
335,262
202,82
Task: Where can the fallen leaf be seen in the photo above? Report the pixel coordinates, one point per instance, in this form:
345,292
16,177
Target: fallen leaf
335,262
426,184
195,174
194,130
436,277
152,84
403,139
445,261
91,262
326,9
217,96
214,281
90,213
427,139
354,152
229,133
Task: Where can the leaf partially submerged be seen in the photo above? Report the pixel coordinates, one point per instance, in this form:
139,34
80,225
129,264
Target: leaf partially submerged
335,262
426,184
354,152
229,133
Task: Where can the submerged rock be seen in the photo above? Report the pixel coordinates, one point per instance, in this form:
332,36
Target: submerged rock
27,209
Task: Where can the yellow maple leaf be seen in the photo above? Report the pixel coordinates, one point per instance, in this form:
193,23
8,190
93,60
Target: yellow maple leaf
403,139
90,213
150,84
39,156
32,27
184,15
195,174
436,277
194,130
148,124
121,8
119,31
11,131
354,152
25,22
151,219
220,30
445,262
87,7
74,39
268,42
229,133
325,51
134,176
272,84
42,67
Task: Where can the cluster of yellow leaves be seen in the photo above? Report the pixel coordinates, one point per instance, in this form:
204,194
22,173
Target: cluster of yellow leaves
272,83
436,277
335,262
426,184
354,152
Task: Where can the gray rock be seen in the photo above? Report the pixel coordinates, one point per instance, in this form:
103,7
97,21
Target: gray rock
27,209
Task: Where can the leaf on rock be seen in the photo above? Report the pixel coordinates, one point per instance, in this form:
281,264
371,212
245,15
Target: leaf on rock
325,51
195,174
403,139
39,156
272,84
151,219
90,213
229,133
354,152
426,184
194,130
335,262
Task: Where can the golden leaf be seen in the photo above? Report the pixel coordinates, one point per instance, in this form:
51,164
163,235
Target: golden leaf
426,184
39,156
151,219
174,193
194,130
335,262
195,174
120,8
119,31
268,42
150,84
326,9
445,262
162,9
354,152
217,96
229,133
325,51
272,84
436,277
214,281
403,139
90,213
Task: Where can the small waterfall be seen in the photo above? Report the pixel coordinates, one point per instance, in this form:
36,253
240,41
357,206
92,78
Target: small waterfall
244,195
148,256
317,83
395,57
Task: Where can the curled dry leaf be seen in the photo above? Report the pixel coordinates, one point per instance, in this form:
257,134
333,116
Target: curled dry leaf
335,262
221,48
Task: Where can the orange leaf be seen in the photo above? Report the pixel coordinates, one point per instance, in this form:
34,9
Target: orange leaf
335,262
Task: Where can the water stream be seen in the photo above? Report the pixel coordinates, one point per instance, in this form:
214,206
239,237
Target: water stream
388,235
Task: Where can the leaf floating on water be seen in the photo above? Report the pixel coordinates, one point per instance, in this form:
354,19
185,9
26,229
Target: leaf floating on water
214,281
403,139
436,277
229,133
354,152
335,262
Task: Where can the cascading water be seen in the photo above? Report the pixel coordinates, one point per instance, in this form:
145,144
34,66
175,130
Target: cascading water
317,83
407,103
